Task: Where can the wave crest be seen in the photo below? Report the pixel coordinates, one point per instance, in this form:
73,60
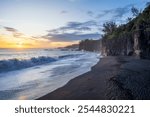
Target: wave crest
14,64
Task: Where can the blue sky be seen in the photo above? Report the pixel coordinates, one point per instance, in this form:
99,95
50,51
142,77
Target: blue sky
63,20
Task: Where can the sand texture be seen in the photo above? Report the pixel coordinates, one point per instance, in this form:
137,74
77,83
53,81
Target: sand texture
113,78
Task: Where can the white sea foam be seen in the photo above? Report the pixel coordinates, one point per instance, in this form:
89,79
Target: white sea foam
40,75
15,64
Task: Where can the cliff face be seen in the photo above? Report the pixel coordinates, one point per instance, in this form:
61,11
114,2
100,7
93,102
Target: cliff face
122,45
145,45
131,39
90,45
135,44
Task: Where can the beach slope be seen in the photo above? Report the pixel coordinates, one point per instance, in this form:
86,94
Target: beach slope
111,78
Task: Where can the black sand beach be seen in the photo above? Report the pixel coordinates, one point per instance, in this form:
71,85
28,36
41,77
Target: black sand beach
113,78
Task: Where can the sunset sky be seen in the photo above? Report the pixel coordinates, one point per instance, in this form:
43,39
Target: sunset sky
57,23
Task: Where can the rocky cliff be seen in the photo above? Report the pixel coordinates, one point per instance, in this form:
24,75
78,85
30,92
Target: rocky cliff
131,39
90,45
123,45
136,44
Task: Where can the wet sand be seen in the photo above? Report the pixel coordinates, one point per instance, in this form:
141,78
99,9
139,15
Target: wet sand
112,78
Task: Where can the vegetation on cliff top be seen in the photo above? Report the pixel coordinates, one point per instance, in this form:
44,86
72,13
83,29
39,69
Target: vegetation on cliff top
131,39
139,21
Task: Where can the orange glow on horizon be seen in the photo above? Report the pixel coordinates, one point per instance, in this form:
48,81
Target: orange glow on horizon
8,41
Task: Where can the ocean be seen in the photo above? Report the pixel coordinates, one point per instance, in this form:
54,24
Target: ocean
31,73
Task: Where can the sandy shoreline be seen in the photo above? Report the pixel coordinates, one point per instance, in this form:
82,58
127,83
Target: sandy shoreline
112,78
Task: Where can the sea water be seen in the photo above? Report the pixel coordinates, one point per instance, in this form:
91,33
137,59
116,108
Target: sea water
32,73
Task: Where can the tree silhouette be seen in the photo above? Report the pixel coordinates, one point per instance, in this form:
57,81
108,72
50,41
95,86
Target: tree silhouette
109,27
135,11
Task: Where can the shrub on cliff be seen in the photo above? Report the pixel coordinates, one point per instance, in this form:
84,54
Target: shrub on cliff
139,20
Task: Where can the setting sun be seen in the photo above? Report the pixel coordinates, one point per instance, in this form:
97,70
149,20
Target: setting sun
19,44
8,41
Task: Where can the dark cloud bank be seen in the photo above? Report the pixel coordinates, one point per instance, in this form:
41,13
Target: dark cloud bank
77,29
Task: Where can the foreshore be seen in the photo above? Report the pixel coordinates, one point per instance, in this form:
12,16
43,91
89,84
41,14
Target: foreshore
112,78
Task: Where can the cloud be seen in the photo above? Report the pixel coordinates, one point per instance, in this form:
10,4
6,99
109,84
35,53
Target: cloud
90,13
75,26
74,31
11,29
14,31
72,36
116,13
63,12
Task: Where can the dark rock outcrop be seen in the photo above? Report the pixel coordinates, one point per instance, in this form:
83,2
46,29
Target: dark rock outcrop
90,45
122,45
136,44
131,39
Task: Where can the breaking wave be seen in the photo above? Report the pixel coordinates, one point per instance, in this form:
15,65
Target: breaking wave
15,64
